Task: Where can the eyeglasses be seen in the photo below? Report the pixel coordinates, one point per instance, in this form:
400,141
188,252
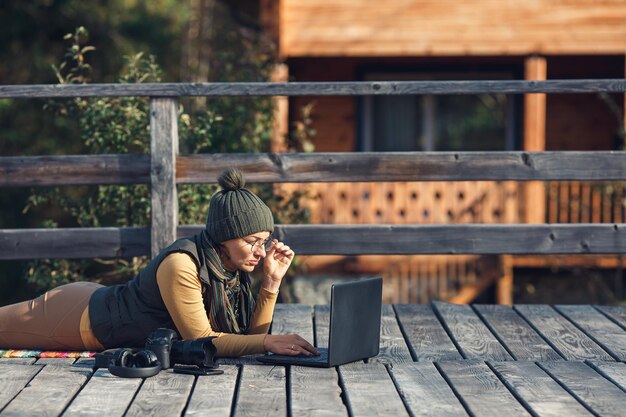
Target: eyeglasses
266,244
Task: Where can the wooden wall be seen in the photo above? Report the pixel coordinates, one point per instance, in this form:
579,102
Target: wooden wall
573,121
451,27
581,121
334,118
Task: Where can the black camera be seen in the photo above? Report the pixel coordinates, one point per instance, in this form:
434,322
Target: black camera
170,351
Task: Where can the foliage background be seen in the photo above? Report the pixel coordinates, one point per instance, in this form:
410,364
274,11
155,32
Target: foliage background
135,41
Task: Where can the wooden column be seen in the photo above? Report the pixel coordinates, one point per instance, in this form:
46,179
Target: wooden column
281,111
504,283
163,151
535,68
269,16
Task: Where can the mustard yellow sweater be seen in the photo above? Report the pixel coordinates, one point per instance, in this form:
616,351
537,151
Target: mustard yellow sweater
181,290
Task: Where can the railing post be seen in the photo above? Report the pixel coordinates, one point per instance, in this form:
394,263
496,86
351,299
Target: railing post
535,138
504,283
163,151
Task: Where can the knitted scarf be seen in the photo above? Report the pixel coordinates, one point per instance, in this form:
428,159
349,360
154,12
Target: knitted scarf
230,302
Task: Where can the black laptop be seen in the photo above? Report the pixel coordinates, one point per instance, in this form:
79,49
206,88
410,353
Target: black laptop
355,311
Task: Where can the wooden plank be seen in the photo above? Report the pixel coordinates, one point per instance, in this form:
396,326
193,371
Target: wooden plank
561,334
521,340
589,387
596,204
104,394
293,319
13,378
613,371
356,30
49,170
163,151
70,243
453,239
537,390
615,313
564,200
49,392
607,203
164,394
312,391
370,391
241,360
322,325
618,204
393,348
480,390
424,391
262,391
426,338
553,202
56,361
214,394
335,240
603,331
470,334
85,362
21,361
575,203
565,261
315,392
312,88
406,166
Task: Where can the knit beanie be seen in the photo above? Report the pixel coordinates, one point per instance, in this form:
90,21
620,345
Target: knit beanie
236,211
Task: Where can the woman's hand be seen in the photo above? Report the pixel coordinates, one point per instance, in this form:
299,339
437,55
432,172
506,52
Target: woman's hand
288,344
275,265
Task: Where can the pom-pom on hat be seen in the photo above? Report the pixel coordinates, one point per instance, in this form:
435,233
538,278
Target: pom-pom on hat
236,211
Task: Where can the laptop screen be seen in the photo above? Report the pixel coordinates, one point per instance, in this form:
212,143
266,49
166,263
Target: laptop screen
355,314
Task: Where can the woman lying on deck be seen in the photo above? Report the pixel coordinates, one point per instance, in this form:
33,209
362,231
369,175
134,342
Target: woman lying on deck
199,286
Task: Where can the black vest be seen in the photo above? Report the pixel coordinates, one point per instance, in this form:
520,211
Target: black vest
125,315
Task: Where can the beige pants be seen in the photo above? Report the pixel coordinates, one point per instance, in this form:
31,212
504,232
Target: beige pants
49,322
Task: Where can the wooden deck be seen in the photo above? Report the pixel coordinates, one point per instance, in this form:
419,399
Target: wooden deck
457,360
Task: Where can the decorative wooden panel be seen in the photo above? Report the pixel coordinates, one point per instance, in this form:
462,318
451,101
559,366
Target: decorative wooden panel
411,202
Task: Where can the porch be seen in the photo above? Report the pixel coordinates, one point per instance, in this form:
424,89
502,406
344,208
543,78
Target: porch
439,359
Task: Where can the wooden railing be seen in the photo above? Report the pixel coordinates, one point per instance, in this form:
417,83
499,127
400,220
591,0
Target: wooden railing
164,169
586,202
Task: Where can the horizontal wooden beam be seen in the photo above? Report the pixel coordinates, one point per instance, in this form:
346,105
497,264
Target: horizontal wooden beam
449,239
336,240
320,167
27,171
407,166
455,239
72,243
351,88
566,261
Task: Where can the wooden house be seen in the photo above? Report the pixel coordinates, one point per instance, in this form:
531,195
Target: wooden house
367,40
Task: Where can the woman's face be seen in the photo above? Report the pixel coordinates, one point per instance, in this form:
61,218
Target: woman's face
246,252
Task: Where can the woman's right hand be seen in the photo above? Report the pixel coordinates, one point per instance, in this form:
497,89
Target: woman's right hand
288,344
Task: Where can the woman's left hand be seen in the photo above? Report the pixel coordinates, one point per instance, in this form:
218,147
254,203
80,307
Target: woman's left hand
276,263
